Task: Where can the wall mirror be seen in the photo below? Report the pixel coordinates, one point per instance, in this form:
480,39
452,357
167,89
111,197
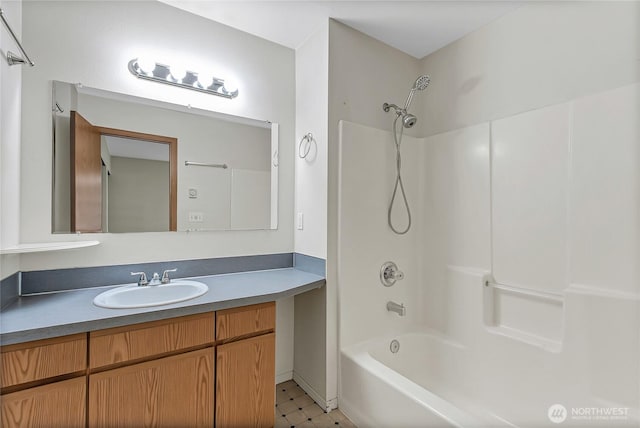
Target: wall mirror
128,164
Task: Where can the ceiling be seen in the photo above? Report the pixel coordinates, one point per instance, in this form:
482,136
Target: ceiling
415,27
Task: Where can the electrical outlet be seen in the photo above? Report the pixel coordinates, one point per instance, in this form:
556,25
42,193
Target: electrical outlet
196,217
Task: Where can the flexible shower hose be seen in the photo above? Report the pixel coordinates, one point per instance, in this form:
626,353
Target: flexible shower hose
397,140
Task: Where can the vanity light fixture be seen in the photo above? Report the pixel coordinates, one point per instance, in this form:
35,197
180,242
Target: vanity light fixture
162,73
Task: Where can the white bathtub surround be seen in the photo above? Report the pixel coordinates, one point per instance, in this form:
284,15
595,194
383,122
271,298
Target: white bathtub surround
546,202
367,176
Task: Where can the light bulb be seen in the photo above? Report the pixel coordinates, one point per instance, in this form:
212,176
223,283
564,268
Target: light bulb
230,86
178,72
205,79
146,65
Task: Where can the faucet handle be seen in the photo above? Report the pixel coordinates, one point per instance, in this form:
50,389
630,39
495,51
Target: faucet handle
165,275
143,278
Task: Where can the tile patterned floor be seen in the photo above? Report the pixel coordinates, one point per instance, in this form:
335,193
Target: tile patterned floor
294,408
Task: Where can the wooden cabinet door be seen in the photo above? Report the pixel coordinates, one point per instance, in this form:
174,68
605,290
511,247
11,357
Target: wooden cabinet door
245,383
60,404
170,392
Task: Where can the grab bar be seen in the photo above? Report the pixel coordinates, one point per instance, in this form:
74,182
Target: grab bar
212,165
12,58
542,294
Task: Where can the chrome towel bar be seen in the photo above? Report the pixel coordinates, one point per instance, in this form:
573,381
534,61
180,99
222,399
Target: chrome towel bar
12,58
212,165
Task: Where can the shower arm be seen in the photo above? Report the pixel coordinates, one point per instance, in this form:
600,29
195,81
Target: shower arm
399,111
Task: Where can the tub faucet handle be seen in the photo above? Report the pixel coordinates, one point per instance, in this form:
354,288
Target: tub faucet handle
389,274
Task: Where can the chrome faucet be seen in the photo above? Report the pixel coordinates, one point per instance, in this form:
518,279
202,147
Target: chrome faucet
142,281
165,276
397,308
155,280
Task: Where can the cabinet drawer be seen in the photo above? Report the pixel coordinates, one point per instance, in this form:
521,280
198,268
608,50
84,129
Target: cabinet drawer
141,341
41,359
60,404
245,321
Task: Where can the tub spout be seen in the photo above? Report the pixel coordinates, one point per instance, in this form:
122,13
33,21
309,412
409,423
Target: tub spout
397,308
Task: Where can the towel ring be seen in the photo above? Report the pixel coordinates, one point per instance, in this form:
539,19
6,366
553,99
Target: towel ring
308,139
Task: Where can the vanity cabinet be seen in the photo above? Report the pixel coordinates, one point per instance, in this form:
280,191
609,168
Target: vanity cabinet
153,374
44,383
196,371
245,366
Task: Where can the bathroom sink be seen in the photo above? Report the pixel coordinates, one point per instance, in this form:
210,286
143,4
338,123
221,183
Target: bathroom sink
133,296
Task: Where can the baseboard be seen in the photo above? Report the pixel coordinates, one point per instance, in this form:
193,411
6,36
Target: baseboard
283,377
327,405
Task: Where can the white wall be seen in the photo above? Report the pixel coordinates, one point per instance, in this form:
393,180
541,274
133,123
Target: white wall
10,89
530,173
105,36
580,350
92,42
312,77
363,74
543,53
532,176
367,179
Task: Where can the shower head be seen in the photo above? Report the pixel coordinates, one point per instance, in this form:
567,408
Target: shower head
420,84
408,120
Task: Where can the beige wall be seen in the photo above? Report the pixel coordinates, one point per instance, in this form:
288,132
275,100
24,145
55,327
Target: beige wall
138,195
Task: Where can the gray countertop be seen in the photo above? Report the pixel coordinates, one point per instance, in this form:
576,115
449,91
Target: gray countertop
59,314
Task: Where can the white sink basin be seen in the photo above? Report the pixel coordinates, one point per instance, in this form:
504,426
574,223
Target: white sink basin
132,296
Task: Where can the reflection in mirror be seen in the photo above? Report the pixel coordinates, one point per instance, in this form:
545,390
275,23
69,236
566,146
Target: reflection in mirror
150,166
136,175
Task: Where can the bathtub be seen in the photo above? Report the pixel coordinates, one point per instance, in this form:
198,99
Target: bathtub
406,389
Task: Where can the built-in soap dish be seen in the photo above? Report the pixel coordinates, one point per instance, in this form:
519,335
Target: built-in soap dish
525,314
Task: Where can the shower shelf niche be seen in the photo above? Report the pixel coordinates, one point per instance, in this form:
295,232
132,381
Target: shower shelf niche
47,246
535,317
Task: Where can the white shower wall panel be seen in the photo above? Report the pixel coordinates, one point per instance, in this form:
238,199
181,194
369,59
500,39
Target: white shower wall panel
580,351
367,176
456,216
605,191
530,169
